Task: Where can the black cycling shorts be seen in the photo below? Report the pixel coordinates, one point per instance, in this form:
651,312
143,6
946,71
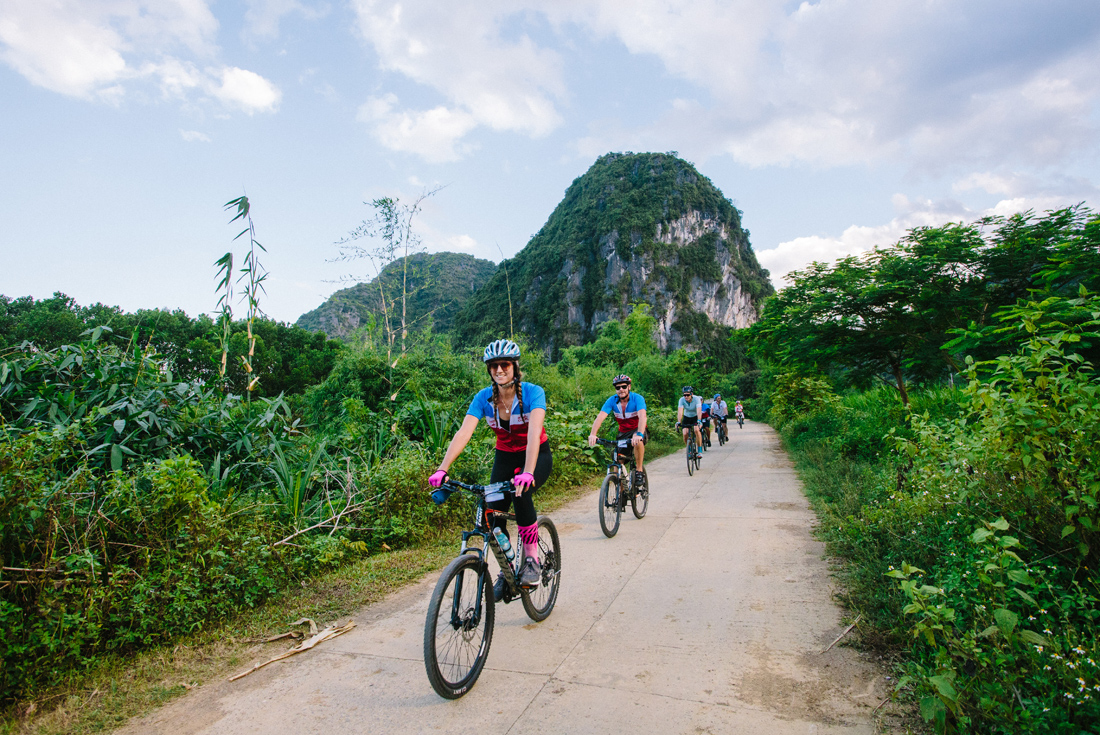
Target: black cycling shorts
507,465
689,421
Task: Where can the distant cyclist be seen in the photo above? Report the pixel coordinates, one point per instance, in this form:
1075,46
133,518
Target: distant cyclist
628,408
516,412
719,410
687,414
704,422
739,411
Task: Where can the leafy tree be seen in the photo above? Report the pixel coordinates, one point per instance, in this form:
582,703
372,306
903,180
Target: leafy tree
896,313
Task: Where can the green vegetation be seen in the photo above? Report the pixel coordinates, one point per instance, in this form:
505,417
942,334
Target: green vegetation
618,205
910,312
966,517
438,285
290,359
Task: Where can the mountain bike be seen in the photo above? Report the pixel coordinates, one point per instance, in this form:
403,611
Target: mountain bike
459,626
741,421
721,430
613,495
704,431
693,453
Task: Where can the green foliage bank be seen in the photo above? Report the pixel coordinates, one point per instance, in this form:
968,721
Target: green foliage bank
968,517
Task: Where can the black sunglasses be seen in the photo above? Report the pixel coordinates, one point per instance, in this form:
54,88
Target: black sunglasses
623,385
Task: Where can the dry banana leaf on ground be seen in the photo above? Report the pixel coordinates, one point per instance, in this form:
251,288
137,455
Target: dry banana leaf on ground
324,635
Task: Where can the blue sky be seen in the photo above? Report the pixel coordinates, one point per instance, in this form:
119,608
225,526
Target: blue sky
834,126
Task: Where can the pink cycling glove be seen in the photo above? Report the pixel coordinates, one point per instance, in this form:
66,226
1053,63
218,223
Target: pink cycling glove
523,481
437,478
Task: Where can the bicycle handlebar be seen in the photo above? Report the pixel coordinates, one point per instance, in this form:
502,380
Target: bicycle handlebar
441,493
493,487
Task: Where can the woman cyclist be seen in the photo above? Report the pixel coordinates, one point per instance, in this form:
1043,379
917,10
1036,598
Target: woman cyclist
516,411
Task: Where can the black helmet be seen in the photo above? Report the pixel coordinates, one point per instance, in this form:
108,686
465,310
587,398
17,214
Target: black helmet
687,389
620,379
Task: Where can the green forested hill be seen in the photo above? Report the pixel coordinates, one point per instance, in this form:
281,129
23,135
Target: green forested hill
644,227
437,286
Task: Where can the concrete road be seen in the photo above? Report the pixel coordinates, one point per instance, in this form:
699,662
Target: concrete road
707,616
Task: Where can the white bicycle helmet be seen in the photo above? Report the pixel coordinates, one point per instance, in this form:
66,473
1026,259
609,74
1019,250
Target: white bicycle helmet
501,349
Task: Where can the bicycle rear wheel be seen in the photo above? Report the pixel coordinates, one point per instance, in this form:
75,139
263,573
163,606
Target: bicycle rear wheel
611,508
639,500
539,602
459,627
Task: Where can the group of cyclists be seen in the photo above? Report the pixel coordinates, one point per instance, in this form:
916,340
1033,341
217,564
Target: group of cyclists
693,413
516,412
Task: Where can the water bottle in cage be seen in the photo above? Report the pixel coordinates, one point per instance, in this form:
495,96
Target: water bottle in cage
505,545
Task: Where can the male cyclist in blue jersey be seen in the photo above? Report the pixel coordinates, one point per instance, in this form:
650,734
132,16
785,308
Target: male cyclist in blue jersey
687,415
628,408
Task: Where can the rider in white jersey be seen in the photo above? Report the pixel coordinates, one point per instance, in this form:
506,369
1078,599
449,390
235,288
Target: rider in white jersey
719,410
688,411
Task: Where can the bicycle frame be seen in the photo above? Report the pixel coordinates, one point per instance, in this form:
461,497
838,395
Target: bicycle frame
622,451
482,528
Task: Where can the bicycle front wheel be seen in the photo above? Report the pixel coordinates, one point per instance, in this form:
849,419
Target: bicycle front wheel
539,602
639,500
691,457
610,508
459,628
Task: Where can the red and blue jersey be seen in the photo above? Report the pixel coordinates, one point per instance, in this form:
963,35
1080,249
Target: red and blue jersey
627,416
512,437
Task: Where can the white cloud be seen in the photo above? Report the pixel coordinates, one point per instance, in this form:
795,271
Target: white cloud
246,90
434,134
193,136
96,50
263,16
459,49
836,82
459,242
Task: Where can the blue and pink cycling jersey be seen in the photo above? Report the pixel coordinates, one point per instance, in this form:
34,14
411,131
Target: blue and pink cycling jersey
513,437
628,416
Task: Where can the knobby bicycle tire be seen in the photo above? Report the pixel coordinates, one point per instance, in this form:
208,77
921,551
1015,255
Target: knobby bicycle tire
690,453
611,507
539,602
458,633
639,499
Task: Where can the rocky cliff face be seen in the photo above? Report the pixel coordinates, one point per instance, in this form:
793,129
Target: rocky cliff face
723,301
635,228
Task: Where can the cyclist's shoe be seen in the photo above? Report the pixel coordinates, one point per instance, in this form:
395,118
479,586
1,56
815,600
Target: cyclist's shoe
531,573
639,480
498,587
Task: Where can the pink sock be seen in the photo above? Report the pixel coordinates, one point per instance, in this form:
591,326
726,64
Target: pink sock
530,537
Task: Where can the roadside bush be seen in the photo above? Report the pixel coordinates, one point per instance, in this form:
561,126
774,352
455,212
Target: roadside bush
1002,626
96,563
